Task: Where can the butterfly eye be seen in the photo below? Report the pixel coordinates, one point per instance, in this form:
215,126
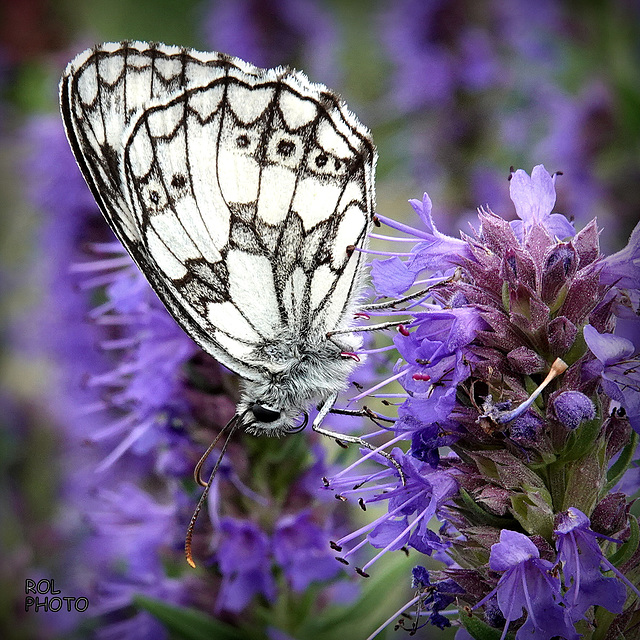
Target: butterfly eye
264,414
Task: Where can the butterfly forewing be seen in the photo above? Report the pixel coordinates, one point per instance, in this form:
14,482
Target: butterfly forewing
236,190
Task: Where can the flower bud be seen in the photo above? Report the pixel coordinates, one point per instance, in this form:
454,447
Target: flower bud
610,515
560,266
572,408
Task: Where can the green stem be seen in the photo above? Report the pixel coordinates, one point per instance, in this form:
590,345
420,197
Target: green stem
557,483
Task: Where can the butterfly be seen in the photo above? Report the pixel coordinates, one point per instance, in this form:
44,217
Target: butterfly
245,196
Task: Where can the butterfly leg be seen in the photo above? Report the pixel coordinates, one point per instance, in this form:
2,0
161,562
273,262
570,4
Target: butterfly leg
390,304
372,327
341,438
365,412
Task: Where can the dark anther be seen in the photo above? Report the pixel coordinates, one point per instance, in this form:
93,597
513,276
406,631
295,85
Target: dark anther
242,141
341,444
340,497
376,221
363,506
511,172
339,559
325,482
321,160
362,573
264,414
350,249
406,551
178,181
286,148
334,546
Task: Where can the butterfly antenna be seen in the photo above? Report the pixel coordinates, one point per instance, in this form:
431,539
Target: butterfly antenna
198,468
233,425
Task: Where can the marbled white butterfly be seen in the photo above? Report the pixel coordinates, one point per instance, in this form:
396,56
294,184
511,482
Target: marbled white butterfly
240,193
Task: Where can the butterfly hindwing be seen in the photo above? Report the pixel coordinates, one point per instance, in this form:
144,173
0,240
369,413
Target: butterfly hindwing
236,190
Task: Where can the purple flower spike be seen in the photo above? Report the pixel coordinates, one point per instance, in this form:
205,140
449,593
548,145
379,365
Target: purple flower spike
578,549
527,584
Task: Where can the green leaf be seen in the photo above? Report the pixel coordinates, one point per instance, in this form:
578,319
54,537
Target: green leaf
506,470
604,619
582,440
533,512
190,624
481,630
583,479
506,302
478,515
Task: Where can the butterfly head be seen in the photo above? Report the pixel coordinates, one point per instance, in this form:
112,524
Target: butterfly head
265,417
262,418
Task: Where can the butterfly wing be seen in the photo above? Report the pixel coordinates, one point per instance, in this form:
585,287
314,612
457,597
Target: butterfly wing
235,189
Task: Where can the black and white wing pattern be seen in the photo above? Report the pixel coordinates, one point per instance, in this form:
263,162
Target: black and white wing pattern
235,189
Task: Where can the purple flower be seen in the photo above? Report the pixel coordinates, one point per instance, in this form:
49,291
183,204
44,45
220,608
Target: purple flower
129,526
391,277
585,585
622,269
144,385
434,353
411,505
300,547
434,249
243,559
526,428
571,141
618,368
528,585
534,198
438,596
